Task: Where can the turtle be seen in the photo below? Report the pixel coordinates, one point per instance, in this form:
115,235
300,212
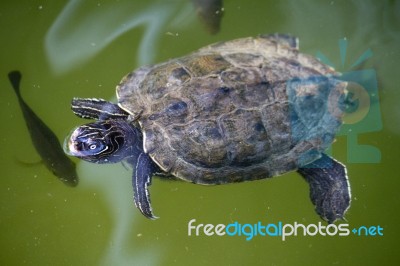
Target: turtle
240,110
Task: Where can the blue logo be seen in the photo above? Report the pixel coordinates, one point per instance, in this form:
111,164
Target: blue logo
363,115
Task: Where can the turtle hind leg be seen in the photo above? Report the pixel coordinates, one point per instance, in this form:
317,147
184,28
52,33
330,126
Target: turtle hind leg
329,187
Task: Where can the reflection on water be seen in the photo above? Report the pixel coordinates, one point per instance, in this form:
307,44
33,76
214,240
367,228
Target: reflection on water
83,29
123,248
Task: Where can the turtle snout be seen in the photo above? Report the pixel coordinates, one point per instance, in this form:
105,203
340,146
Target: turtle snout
70,144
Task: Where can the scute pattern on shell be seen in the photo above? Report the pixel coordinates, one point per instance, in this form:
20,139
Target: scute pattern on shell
240,110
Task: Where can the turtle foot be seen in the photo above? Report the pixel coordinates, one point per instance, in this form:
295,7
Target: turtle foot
329,187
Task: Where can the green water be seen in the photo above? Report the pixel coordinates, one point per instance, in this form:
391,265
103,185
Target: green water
66,49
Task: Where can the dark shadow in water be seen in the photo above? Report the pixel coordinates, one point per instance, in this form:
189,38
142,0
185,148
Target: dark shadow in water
210,14
44,140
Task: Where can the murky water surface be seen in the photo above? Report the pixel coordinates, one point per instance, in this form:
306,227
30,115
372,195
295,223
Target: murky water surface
70,48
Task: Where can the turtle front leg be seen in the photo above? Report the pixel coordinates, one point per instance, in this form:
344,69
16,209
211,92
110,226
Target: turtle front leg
142,173
99,109
329,187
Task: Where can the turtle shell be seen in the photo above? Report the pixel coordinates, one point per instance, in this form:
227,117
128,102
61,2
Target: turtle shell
240,110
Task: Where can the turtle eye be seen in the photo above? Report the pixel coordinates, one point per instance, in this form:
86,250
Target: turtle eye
95,148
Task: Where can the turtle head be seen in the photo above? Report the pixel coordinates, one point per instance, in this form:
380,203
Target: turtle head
108,141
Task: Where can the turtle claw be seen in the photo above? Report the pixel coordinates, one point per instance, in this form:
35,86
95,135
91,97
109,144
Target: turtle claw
141,179
329,187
